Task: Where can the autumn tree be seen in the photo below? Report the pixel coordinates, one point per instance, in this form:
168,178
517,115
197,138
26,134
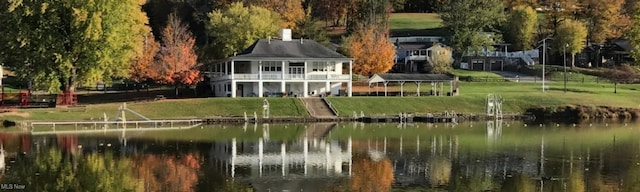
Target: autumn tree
140,69
604,19
290,11
372,51
177,63
621,74
557,11
237,27
520,27
571,38
66,43
467,19
634,33
330,10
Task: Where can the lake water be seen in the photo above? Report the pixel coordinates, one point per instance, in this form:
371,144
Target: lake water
471,156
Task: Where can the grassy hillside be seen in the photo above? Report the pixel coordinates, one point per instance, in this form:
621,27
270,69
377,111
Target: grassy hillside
416,24
400,21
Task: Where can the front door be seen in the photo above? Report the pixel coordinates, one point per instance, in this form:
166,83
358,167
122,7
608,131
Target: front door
240,91
296,72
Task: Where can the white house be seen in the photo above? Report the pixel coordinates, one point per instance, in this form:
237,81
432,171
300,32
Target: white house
278,67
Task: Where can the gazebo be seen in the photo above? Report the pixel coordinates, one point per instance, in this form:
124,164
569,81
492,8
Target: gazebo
436,81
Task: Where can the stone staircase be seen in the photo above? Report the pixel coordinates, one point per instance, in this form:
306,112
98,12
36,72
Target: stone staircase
317,130
318,108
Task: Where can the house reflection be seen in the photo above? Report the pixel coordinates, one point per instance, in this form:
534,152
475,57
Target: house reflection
263,158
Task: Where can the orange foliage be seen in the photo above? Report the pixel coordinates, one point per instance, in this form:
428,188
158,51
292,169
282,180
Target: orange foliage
370,175
289,10
168,173
372,51
177,62
140,70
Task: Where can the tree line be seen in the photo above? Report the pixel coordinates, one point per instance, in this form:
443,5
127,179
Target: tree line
62,44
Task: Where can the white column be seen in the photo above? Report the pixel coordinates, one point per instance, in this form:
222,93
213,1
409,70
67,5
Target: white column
260,70
260,88
349,84
283,71
418,89
232,69
385,87
234,86
327,86
401,88
305,89
283,87
306,70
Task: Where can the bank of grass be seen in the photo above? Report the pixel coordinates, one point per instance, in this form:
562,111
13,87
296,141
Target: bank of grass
518,97
404,21
172,108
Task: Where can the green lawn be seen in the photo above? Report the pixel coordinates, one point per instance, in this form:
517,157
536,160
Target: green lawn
174,108
404,21
518,97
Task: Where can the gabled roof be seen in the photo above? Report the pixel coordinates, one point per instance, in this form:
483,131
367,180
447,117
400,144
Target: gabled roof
397,77
294,49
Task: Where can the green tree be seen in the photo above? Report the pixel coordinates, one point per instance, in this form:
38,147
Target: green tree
69,43
467,20
237,27
634,34
621,74
571,38
309,28
520,27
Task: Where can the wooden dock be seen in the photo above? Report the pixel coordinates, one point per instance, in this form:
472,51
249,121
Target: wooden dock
61,127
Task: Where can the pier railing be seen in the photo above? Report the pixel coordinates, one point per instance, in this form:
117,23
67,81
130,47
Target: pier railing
57,127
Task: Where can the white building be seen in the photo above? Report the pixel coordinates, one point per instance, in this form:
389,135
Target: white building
280,67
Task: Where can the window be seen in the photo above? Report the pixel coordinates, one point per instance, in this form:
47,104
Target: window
271,66
318,66
424,52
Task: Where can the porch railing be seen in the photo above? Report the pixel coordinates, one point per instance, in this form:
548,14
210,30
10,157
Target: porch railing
280,77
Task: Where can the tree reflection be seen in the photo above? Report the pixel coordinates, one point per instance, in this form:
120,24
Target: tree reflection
53,171
439,171
519,182
168,173
370,175
632,179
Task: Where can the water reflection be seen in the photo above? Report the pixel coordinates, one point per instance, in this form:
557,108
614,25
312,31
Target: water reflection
491,156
